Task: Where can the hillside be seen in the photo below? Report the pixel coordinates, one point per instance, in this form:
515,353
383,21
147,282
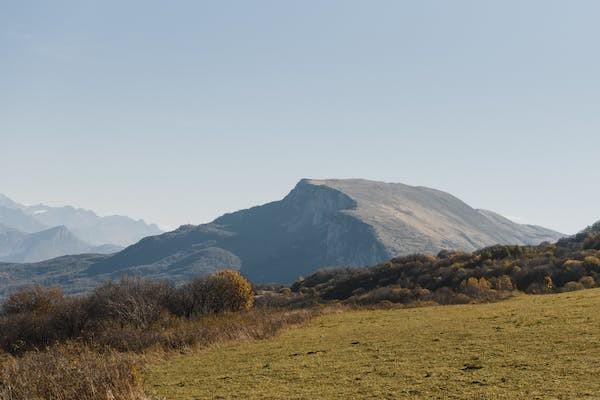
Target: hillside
324,223
535,347
65,271
456,277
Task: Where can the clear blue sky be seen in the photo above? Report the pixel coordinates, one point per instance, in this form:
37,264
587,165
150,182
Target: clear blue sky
179,111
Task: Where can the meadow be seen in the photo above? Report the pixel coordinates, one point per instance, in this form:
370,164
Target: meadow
534,347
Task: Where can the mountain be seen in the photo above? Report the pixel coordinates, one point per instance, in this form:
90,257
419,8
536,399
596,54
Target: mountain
9,239
323,223
8,203
90,227
85,224
22,247
17,219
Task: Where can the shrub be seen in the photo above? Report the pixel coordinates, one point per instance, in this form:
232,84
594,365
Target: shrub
129,314
230,291
36,299
572,286
221,292
592,262
545,286
476,288
504,283
588,282
444,295
133,301
385,294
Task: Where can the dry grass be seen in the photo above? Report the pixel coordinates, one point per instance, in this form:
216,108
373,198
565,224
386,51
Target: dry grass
70,373
79,372
534,347
180,334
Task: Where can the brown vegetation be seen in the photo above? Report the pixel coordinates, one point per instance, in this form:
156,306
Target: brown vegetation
130,314
84,347
70,373
455,277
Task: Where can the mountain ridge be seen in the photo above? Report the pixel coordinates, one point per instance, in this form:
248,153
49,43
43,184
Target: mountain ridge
324,223
19,247
85,224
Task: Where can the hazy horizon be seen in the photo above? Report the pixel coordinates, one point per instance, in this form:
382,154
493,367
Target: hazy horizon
179,114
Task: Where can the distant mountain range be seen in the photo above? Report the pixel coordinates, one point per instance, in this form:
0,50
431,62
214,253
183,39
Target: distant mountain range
16,246
323,223
40,232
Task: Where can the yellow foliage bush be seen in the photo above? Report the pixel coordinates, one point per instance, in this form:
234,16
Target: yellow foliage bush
231,291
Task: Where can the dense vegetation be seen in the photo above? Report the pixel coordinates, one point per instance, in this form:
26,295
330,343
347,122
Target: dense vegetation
455,277
84,348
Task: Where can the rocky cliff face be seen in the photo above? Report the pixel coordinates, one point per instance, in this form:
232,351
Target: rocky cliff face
322,223
409,219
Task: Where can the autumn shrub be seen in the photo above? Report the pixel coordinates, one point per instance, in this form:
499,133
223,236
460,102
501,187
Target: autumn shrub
592,262
477,288
588,282
572,286
229,291
225,291
128,314
35,299
503,282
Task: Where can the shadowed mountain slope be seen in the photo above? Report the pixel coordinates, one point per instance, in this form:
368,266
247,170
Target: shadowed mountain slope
325,223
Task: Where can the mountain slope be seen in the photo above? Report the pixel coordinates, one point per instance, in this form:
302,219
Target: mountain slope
63,271
17,219
27,248
325,223
85,224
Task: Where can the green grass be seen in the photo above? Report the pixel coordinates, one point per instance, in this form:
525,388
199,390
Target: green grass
529,347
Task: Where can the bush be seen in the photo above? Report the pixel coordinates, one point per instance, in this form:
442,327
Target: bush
504,283
230,291
33,300
541,287
385,294
130,314
130,301
476,288
592,262
572,286
588,282
225,291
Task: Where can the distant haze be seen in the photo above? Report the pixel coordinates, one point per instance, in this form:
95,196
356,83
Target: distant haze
178,113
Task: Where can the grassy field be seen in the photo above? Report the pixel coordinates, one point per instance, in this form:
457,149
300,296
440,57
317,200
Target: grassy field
530,347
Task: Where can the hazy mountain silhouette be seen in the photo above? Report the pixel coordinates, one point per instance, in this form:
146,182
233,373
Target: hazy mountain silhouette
22,247
85,224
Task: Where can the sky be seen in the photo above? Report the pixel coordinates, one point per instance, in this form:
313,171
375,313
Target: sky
177,112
